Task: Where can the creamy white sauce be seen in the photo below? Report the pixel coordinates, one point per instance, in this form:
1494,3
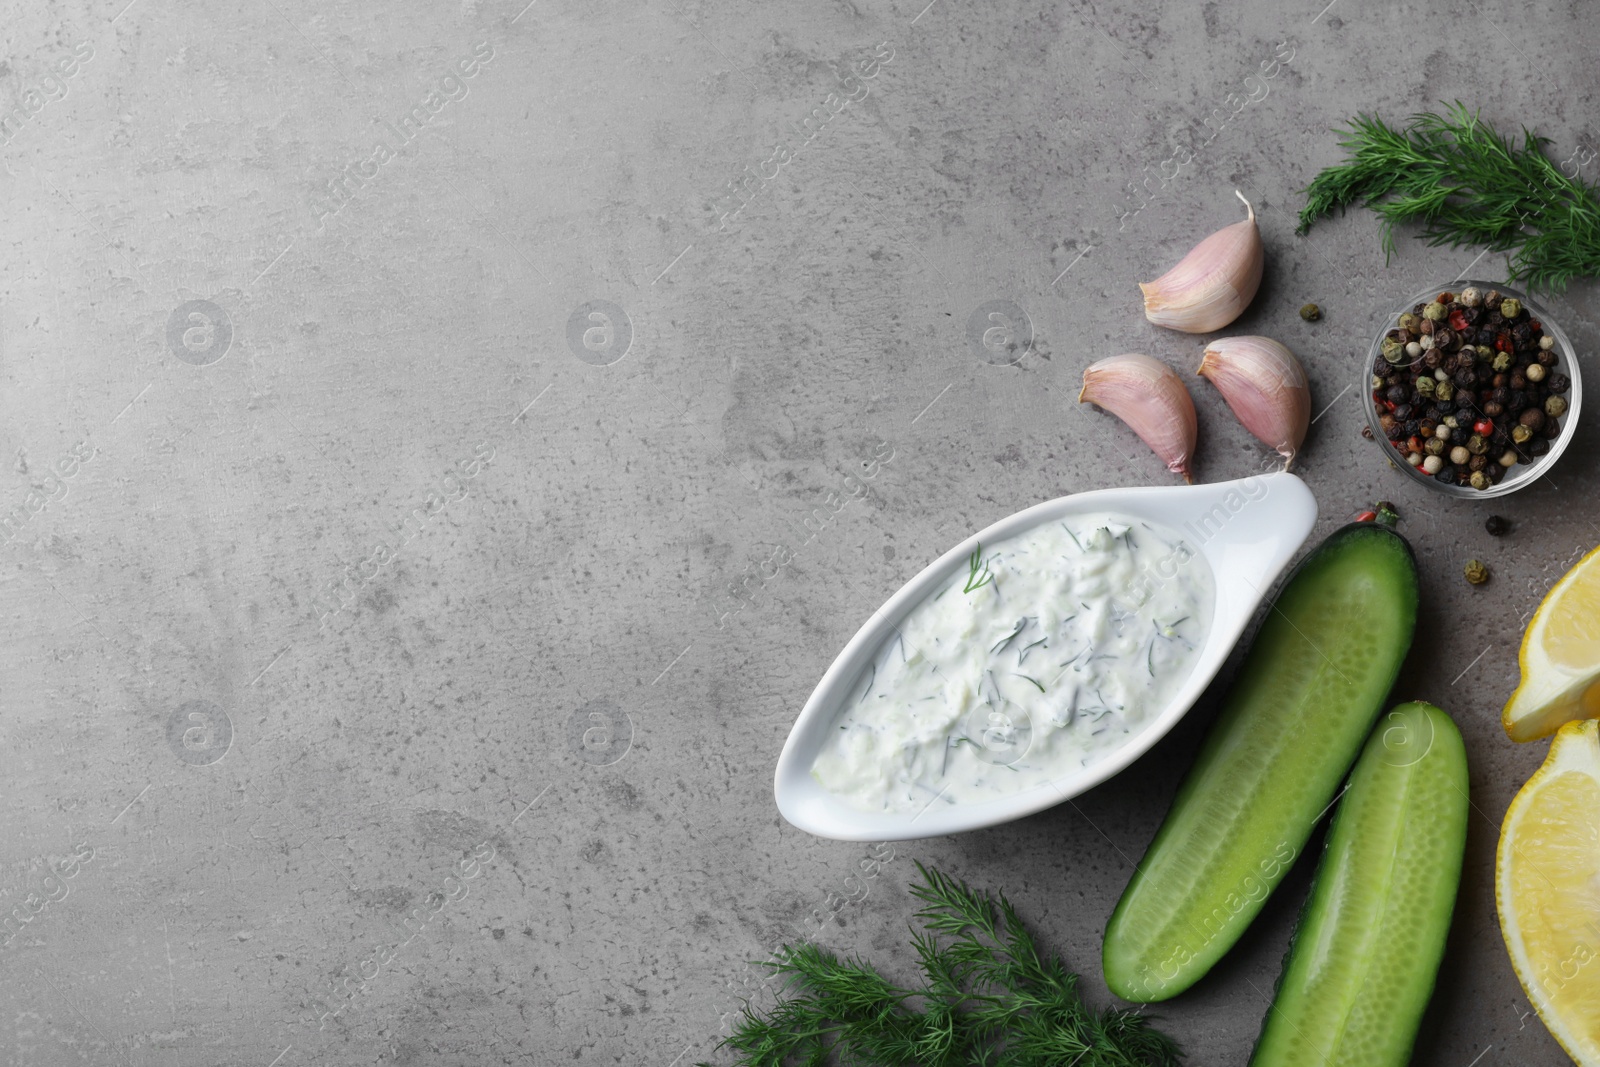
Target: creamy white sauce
1048,651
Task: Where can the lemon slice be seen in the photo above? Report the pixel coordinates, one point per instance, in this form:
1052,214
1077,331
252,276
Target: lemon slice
1547,887
1560,657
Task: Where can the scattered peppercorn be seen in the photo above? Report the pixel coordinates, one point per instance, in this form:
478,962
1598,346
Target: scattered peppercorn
1476,572
1497,525
1311,313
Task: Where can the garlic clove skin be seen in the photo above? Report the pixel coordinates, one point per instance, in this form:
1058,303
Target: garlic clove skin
1150,397
1266,387
1213,284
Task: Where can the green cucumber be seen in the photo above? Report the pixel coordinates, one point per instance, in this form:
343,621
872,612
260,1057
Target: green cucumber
1305,699
1367,950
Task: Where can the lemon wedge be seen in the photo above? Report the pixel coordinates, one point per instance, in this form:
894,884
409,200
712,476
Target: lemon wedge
1547,888
1560,657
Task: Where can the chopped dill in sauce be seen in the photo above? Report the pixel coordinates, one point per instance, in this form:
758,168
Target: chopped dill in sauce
1059,651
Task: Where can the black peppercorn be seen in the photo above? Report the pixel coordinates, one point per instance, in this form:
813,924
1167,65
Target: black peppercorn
1545,358
1432,358
1558,383
1447,475
1477,463
1413,427
1552,428
1539,446
1497,526
1402,411
1466,379
1494,408
1397,394
1533,419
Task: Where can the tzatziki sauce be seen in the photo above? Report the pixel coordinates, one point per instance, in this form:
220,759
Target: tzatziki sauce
1046,652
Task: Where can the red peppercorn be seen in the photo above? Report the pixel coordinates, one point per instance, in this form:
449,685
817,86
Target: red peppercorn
1414,443
1389,405
1445,298
1536,325
1365,516
1483,427
1503,342
1458,320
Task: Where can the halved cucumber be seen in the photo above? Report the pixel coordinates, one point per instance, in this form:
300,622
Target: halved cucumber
1306,696
1366,953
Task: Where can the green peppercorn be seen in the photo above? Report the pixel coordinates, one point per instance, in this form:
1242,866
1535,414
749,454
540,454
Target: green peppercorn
1555,406
1444,391
1478,480
1520,433
1502,361
1477,444
1433,446
1476,572
1426,386
1393,350
1511,307
1409,321
1434,311
1311,313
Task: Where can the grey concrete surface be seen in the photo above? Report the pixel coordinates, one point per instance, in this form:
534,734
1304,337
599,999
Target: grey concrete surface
425,561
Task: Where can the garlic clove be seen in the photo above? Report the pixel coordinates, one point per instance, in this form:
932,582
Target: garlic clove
1150,397
1213,284
1266,387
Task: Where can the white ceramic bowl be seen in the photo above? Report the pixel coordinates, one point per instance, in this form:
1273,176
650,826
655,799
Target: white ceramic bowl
1521,475
1246,530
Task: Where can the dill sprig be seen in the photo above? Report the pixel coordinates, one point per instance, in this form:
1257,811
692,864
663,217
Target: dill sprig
1468,186
988,1000
978,574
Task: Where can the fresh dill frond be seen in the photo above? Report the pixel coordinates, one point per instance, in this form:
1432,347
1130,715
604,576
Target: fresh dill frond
976,564
1468,186
987,998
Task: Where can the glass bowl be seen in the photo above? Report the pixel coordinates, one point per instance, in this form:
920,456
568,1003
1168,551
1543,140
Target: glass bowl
1523,474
